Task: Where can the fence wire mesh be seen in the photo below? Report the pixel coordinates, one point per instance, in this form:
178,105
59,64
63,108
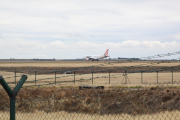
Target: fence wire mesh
153,101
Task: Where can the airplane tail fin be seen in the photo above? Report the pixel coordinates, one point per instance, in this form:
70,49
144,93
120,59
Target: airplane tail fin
106,53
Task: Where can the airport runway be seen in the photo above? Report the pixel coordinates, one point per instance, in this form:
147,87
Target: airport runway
59,60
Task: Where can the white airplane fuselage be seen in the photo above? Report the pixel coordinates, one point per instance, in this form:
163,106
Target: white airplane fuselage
97,57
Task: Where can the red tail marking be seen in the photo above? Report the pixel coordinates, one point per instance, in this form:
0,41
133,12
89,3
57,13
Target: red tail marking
106,53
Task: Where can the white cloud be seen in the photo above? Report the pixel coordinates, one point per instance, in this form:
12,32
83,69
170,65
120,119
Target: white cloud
177,36
44,28
57,44
85,45
63,50
86,16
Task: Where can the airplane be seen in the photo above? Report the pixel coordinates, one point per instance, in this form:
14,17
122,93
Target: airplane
97,57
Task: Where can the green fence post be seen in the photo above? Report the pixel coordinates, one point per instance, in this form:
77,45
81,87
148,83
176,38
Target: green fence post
12,93
20,83
5,86
12,107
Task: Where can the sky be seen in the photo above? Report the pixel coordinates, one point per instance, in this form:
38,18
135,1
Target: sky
70,29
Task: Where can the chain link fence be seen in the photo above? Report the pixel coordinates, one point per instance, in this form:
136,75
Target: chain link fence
160,102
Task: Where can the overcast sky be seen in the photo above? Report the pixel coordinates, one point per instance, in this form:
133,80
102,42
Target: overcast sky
67,29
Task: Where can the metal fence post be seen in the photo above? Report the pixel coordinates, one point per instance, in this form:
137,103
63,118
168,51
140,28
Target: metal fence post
12,107
141,77
126,77
157,77
15,76
35,77
12,93
172,77
92,77
109,76
55,77
74,77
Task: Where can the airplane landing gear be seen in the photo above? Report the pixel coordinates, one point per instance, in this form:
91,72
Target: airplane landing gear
95,60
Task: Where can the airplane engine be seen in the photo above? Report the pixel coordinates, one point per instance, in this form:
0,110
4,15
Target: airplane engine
87,59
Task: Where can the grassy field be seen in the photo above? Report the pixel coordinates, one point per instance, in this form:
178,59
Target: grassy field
85,64
116,79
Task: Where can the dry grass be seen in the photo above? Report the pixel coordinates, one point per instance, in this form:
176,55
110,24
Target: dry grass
84,64
135,101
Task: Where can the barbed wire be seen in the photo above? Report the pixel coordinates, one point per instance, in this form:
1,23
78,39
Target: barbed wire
161,55
57,82
107,76
12,77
